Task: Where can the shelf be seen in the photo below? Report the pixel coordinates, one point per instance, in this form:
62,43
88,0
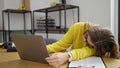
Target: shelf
45,19
7,32
16,30
51,29
57,8
16,11
1,30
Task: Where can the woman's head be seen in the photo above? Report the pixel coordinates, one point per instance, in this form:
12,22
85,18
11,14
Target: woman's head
103,41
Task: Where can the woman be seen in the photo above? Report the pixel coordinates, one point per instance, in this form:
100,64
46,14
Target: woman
85,39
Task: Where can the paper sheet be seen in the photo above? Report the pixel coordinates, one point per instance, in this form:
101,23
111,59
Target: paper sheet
96,62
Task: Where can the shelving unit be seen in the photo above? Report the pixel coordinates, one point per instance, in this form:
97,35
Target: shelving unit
41,23
58,7
6,32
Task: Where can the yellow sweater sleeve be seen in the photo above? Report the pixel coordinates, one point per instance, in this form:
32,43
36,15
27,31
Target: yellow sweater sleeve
81,53
62,44
74,38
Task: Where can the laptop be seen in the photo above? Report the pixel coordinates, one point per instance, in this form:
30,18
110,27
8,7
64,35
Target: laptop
31,47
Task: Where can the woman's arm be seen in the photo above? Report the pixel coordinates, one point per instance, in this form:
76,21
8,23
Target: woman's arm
59,58
81,53
62,44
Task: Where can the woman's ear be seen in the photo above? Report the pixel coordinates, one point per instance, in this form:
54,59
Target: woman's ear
84,38
107,55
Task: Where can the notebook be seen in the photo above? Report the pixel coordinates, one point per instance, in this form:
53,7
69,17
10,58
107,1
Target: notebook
31,47
90,62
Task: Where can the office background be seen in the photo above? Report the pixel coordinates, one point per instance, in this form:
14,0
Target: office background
103,12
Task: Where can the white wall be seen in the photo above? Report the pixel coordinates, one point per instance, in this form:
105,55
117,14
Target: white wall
12,4
97,11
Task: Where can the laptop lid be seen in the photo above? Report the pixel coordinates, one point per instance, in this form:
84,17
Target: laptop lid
31,47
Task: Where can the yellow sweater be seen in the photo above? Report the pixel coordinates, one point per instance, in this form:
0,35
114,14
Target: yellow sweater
74,38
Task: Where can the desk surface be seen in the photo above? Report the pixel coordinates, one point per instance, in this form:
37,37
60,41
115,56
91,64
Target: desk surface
11,59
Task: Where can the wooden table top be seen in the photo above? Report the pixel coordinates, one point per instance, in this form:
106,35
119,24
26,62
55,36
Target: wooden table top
11,59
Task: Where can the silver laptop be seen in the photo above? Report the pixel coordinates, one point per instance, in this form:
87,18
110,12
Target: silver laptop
31,47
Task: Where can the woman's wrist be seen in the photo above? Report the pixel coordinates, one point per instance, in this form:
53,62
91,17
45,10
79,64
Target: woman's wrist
69,56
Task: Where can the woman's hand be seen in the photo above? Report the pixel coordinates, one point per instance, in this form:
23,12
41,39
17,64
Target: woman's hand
57,59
